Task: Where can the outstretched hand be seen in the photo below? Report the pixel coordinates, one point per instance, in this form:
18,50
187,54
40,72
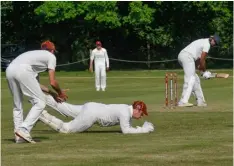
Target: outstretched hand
149,126
63,96
57,98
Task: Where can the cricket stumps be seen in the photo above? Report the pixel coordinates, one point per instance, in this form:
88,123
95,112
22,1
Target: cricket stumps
170,90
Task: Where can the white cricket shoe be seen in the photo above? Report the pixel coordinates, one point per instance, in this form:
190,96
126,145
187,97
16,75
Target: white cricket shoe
201,104
19,140
103,89
97,89
23,133
180,104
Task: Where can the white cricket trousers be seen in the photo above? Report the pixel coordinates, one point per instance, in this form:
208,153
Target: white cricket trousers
86,117
85,120
64,108
21,80
191,79
100,76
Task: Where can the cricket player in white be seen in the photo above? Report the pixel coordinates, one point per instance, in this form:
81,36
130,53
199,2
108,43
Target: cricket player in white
195,53
21,77
101,62
92,113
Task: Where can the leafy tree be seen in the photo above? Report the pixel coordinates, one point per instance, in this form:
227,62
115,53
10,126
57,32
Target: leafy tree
134,30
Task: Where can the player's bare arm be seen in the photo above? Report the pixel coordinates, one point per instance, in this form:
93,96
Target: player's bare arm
54,84
202,65
197,63
107,61
91,65
91,62
52,93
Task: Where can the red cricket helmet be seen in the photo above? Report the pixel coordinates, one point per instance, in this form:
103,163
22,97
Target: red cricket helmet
98,43
140,105
48,45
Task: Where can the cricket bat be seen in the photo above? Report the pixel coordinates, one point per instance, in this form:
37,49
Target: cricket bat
219,75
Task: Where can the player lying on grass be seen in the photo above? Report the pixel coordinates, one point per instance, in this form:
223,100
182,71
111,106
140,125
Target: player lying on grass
85,116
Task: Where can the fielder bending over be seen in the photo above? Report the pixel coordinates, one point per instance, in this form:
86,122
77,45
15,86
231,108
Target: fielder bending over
85,116
101,63
21,77
195,52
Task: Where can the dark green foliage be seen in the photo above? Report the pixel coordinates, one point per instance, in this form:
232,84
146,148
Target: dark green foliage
129,30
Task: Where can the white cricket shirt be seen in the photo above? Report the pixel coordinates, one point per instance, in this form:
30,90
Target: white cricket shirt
37,61
113,114
197,47
100,57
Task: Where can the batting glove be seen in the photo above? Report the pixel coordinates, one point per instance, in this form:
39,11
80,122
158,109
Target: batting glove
206,75
148,126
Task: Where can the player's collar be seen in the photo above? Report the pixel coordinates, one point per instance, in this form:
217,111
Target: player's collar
131,110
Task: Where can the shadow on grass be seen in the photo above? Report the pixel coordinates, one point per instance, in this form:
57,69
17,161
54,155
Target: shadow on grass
92,131
229,125
45,131
37,139
101,131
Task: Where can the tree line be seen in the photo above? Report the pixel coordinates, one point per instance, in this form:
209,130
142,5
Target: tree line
139,31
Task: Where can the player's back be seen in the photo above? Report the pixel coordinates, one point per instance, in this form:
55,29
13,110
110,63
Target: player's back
196,47
108,114
37,59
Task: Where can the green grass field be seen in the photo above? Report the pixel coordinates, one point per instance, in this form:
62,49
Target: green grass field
183,136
